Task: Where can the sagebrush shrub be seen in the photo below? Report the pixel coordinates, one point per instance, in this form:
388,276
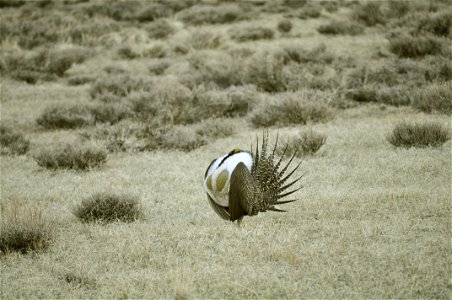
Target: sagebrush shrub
182,138
160,29
216,128
304,144
407,46
115,88
13,141
312,10
72,156
45,65
205,14
370,13
293,108
251,33
264,70
109,207
341,27
24,229
439,24
426,134
284,25
66,117
434,98
82,115
204,39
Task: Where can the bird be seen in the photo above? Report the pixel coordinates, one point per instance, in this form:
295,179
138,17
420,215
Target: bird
242,183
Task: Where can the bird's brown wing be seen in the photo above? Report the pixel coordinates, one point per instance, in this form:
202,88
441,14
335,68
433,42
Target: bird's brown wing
220,210
240,191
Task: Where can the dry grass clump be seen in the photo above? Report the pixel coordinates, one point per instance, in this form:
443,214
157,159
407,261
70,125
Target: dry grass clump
408,46
265,70
66,117
434,98
44,65
426,134
216,128
396,96
109,207
72,156
80,79
285,25
439,24
304,144
294,108
341,27
207,14
160,29
251,33
235,101
81,115
120,137
13,141
212,68
115,88
310,10
158,67
23,229
370,13
204,39
33,27
182,138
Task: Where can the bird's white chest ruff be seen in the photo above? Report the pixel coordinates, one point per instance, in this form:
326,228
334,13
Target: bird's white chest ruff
218,176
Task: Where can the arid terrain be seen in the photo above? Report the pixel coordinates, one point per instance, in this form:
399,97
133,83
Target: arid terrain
111,112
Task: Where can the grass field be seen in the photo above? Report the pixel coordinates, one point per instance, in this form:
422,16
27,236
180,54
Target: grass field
141,96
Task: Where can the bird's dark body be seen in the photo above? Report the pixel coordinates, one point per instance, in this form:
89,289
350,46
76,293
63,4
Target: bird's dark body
258,190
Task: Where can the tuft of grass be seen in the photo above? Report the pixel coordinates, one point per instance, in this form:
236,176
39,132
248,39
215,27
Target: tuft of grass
439,24
204,39
370,13
109,207
80,79
216,128
341,27
158,67
182,138
251,33
304,144
310,11
13,141
72,156
206,14
426,134
294,108
160,29
66,117
45,65
434,98
265,70
24,229
285,25
407,46
114,88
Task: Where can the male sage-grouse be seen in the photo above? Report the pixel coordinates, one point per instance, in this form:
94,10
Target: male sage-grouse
243,183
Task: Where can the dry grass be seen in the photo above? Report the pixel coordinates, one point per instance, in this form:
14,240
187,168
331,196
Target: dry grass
78,157
372,220
425,134
293,108
13,141
23,229
305,143
108,207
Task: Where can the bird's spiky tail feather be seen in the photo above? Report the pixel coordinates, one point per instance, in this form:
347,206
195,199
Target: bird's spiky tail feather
262,188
